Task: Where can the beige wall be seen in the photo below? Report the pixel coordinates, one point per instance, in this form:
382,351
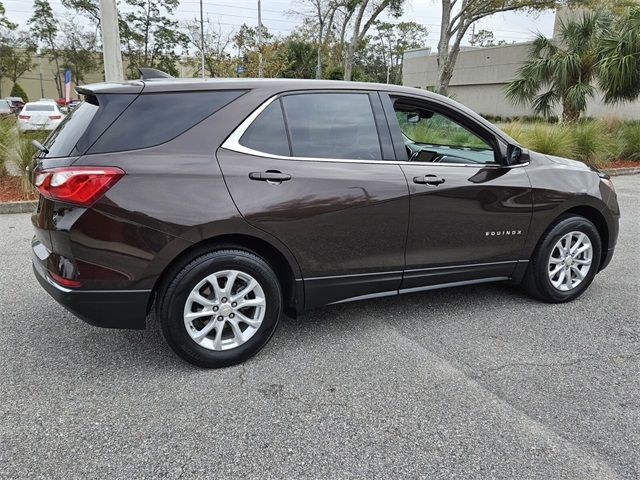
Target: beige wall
30,81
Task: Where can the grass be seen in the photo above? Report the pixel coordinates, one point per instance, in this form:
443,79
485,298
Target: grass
594,142
16,148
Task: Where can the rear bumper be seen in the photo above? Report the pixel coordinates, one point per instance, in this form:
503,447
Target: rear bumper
101,308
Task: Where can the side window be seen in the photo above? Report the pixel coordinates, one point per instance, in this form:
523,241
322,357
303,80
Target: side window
433,137
332,125
267,133
156,118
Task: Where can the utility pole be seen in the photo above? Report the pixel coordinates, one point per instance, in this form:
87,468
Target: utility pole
111,41
202,38
41,81
260,66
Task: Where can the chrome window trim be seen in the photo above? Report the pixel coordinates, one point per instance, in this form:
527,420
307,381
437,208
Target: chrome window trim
233,143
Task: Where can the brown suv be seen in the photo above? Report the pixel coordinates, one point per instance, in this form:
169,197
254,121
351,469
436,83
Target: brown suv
226,202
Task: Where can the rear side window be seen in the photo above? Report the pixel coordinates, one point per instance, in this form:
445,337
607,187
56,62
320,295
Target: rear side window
332,125
156,118
267,133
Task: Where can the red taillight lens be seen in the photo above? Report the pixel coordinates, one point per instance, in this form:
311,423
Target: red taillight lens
78,185
64,281
24,117
55,117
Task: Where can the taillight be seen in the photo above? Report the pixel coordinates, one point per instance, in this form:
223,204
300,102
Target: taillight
55,117
67,282
24,117
77,185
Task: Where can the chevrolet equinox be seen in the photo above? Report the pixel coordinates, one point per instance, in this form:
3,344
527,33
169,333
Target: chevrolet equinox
222,203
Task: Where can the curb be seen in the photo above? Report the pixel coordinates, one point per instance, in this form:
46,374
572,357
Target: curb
621,171
18,207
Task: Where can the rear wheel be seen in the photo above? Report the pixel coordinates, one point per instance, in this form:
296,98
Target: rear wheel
565,261
221,308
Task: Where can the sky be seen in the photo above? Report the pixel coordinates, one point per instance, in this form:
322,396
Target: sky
277,18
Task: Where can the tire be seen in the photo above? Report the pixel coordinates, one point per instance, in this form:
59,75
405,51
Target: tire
183,310
537,281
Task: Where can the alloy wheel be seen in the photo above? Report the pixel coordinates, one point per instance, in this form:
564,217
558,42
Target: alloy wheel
224,310
570,261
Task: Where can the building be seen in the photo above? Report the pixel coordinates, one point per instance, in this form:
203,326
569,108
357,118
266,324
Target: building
482,74
39,82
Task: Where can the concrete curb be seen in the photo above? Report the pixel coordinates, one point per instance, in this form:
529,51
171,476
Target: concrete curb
621,171
18,207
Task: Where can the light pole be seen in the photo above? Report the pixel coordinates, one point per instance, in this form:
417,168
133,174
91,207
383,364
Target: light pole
202,38
111,41
260,66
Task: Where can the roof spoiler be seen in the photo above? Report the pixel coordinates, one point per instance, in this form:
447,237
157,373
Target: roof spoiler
150,73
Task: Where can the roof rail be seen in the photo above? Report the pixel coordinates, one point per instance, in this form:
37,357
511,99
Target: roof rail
149,73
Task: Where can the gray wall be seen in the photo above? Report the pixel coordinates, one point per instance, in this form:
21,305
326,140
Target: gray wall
481,76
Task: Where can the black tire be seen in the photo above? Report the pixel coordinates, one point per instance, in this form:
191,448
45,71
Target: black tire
536,281
175,291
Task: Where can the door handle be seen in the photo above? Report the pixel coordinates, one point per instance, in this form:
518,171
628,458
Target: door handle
270,176
429,180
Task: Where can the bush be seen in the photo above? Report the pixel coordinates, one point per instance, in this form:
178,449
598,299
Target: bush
551,139
594,145
7,133
629,141
18,91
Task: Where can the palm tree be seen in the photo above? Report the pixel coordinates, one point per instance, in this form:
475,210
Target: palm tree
561,71
619,65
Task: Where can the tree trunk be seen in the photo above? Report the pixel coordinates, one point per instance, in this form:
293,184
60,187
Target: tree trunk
448,54
569,114
443,48
348,59
319,52
351,48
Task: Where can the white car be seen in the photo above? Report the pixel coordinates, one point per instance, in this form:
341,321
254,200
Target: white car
39,116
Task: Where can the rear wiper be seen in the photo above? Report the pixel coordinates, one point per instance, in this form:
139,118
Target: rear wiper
39,146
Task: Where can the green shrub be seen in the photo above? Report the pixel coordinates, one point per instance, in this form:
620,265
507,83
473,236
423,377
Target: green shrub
517,131
18,91
7,133
629,141
551,139
594,145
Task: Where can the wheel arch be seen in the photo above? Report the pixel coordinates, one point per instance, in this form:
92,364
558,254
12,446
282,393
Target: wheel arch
291,288
596,217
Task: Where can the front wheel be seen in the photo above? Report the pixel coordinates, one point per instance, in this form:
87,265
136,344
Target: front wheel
565,261
221,308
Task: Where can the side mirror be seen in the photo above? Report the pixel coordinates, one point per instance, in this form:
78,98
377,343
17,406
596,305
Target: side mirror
514,156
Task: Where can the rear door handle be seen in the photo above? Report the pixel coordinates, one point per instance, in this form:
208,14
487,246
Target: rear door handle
429,180
270,176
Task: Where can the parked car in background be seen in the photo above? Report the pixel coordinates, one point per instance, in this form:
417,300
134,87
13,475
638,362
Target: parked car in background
5,108
16,104
73,104
252,197
42,115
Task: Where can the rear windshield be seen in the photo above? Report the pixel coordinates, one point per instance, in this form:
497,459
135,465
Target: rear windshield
39,108
62,142
156,118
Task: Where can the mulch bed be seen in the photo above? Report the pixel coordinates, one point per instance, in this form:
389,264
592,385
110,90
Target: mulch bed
623,164
11,190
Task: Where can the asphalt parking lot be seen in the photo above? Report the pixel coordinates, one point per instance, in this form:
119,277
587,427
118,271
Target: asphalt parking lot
473,382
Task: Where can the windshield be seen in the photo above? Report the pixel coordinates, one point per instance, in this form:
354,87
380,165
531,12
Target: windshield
39,108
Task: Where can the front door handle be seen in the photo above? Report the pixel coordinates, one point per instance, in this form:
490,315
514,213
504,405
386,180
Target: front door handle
270,176
429,180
